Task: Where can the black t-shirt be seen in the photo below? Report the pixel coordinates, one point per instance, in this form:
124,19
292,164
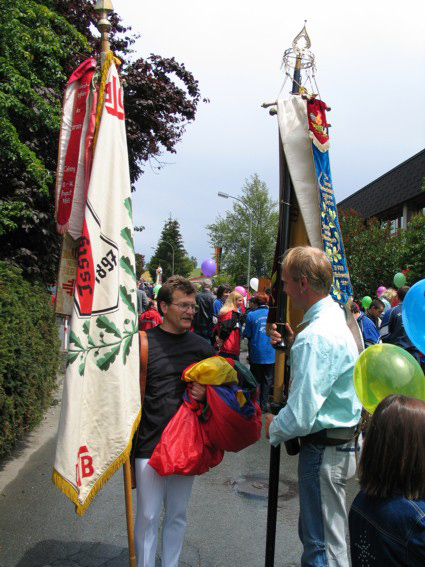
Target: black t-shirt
168,355
205,302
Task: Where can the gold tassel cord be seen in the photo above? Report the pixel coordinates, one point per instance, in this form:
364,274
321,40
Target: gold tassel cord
70,491
109,58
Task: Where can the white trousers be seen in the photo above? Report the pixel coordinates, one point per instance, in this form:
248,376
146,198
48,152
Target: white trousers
152,491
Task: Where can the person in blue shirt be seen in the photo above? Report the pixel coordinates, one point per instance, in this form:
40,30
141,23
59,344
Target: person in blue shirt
223,292
261,354
369,323
322,409
387,517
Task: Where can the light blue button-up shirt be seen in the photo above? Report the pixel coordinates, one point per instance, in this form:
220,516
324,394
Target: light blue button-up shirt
322,361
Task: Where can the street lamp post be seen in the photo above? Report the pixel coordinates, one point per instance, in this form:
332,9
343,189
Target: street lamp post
227,196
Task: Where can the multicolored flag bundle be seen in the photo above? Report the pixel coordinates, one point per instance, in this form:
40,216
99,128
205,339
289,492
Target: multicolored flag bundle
303,130
101,401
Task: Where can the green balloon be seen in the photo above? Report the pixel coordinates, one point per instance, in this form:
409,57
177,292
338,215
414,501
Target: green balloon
366,301
386,369
399,279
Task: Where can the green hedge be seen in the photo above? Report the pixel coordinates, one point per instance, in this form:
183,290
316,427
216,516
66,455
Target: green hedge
29,355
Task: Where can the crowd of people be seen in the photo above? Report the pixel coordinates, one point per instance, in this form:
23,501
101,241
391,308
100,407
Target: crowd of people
387,518
382,322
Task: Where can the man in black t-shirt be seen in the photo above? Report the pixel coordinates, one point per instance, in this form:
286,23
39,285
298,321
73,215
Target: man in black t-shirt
171,349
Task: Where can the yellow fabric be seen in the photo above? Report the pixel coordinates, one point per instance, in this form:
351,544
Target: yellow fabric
240,396
215,370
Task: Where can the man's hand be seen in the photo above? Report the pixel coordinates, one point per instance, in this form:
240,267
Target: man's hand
269,419
276,337
199,392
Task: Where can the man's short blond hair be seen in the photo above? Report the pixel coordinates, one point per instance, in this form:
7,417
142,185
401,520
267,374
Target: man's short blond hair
311,263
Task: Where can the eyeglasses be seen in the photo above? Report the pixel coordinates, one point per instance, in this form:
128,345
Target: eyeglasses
187,306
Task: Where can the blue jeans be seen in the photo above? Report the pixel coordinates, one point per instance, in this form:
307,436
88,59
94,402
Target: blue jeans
323,472
263,374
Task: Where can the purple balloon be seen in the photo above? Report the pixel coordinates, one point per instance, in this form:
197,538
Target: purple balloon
208,267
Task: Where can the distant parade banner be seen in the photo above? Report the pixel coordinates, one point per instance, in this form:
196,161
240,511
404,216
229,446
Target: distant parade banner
305,140
101,401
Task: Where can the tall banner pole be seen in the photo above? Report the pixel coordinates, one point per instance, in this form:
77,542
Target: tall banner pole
101,405
281,373
307,216
291,232
103,7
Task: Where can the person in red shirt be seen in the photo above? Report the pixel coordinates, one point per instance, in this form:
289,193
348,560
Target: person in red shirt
150,318
228,329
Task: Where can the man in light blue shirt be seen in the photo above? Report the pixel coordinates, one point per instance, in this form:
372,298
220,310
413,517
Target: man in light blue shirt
322,409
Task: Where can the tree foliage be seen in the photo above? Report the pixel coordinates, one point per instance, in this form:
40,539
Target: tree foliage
412,255
373,253
29,355
140,265
231,232
169,241
41,43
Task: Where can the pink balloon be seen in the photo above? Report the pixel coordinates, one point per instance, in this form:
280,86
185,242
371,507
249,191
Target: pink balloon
380,290
240,290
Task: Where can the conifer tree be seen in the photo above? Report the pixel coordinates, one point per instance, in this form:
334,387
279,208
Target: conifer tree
170,243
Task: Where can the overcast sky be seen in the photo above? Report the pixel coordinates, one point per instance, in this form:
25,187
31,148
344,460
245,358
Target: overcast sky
370,58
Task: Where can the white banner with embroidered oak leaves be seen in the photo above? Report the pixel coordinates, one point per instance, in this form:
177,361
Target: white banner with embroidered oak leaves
101,399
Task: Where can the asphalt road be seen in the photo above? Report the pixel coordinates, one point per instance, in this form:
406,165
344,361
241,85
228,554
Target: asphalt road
227,515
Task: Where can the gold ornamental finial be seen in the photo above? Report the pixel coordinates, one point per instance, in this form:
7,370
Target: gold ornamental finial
103,7
302,35
300,60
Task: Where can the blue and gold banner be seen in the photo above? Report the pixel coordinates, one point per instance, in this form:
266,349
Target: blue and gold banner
304,134
331,232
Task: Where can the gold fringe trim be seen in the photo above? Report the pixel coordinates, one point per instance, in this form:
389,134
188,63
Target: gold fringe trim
321,147
60,482
109,58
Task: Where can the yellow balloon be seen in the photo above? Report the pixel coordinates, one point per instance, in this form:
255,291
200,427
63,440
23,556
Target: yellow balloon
386,369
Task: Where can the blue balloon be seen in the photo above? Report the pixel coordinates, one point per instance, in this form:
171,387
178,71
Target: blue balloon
413,315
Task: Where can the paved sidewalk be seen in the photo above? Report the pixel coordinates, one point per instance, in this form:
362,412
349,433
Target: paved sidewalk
227,513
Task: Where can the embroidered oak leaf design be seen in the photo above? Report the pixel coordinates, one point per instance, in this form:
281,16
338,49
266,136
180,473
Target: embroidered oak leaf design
86,328
126,297
108,326
126,347
72,357
75,340
126,234
108,358
129,206
126,264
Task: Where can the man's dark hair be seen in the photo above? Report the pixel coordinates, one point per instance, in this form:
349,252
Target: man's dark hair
262,298
377,303
173,283
223,288
354,308
402,291
393,456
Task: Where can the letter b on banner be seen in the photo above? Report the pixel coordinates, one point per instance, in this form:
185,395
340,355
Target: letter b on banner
84,465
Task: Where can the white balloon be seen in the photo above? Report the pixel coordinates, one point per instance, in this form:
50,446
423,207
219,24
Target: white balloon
253,282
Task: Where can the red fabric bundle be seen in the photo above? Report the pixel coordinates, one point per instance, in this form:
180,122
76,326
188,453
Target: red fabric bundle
226,429
183,447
